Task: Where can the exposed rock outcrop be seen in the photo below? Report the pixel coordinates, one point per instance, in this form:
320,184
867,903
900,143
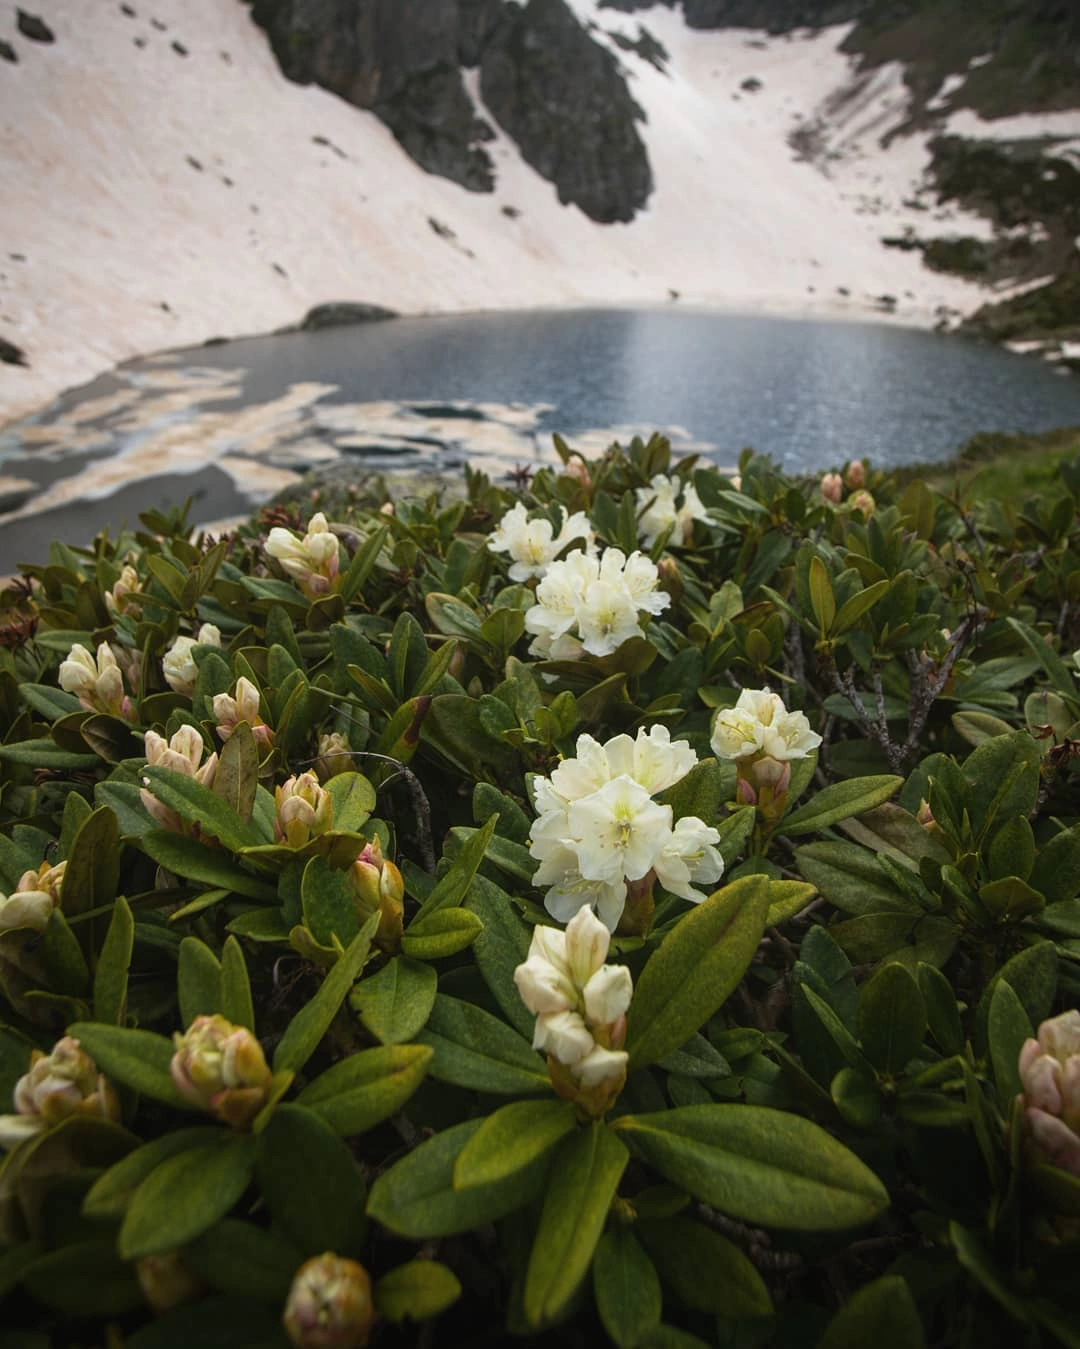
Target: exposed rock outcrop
774,16
565,102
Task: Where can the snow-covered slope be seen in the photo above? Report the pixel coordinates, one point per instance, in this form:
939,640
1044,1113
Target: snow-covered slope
162,184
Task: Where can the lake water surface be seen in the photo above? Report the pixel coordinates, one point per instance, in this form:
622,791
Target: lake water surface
230,424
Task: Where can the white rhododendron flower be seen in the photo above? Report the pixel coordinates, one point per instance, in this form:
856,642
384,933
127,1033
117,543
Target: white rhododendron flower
668,503
97,683
590,604
312,561
1050,1076
178,663
598,827
183,753
759,722
230,709
580,1002
534,545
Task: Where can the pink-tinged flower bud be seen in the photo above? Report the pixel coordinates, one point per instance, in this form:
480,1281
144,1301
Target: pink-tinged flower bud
221,1067
312,561
330,1304
864,502
304,810
166,1282
377,884
120,599
62,1083
855,475
576,468
230,709
31,903
178,663
183,754
1050,1076
671,581
97,683
334,756
832,488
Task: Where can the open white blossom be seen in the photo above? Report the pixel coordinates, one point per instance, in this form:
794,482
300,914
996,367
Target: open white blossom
668,503
759,722
312,561
579,1001
178,663
590,604
534,545
598,827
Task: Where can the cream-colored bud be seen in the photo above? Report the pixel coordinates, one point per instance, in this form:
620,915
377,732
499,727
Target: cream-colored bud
221,1067
330,1304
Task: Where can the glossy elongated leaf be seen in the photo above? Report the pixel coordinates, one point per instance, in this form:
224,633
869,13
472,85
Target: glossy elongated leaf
705,1270
1008,1026
93,865
822,599
111,975
236,1002
695,968
882,1314
367,1087
626,1287
311,1182
84,1279
353,797
111,1193
500,947
237,775
786,899
584,1176
47,754
194,861
892,1018
942,1013
238,1257
850,878
311,1023
186,1194
134,1058
764,1166
198,804
224,1321
512,1139
434,936
840,801
416,1291
860,603
395,1002
327,901
475,1049
1002,778
416,1197
198,980
452,889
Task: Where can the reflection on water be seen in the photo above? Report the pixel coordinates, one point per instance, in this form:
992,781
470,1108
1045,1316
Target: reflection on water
232,424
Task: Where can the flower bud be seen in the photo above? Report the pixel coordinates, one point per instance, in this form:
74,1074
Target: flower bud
221,1067
62,1083
334,755
230,709
119,599
832,488
377,884
98,684
863,501
1050,1076
31,903
855,475
178,664
166,1282
330,1304
312,561
183,754
304,810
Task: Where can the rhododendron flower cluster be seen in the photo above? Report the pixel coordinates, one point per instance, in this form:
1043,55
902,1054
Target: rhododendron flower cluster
221,1068
98,684
599,829
590,604
303,810
533,545
763,738
31,903
668,503
1050,1075
230,709
313,561
62,1083
178,663
183,753
580,1005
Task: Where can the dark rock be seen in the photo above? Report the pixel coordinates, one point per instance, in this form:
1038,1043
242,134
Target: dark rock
33,27
563,99
10,354
195,164
774,16
752,84
342,312
140,42
161,27
511,212
7,52
645,46
126,9
279,269
630,6
432,118
179,48
476,22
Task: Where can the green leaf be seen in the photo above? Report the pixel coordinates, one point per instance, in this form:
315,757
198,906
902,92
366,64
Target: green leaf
882,1314
395,1002
353,797
822,599
892,1018
111,975
84,1279
454,886
943,1015
499,949
198,980
705,1270
1007,1028
763,1166
136,1058
626,1287
1002,778
851,878
47,754
475,1049
1058,672
186,1194
311,1023
112,1192
367,1087
310,1182
236,1002
511,1139
695,968
584,1177
362,565
855,1093
433,936
93,865
197,804
327,901
853,609
416,1197
217,1322
416,1291
50,703
237,775
786,899
238,1257
840,801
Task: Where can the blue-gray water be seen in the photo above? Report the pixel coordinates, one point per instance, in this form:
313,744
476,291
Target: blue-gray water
203,422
